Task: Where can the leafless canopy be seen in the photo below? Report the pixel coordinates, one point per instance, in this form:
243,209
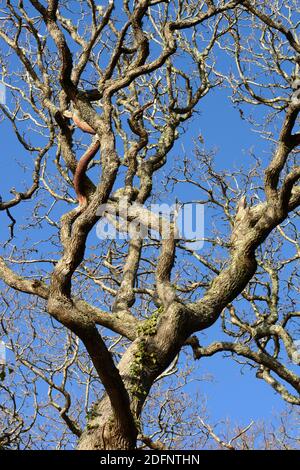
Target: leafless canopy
134,72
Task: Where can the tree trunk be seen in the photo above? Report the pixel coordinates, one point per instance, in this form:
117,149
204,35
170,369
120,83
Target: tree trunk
156,353
160,340
103,432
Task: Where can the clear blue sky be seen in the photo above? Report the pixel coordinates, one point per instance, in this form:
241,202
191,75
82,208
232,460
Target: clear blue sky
235,393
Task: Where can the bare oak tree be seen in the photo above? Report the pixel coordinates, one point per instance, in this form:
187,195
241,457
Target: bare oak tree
133,73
